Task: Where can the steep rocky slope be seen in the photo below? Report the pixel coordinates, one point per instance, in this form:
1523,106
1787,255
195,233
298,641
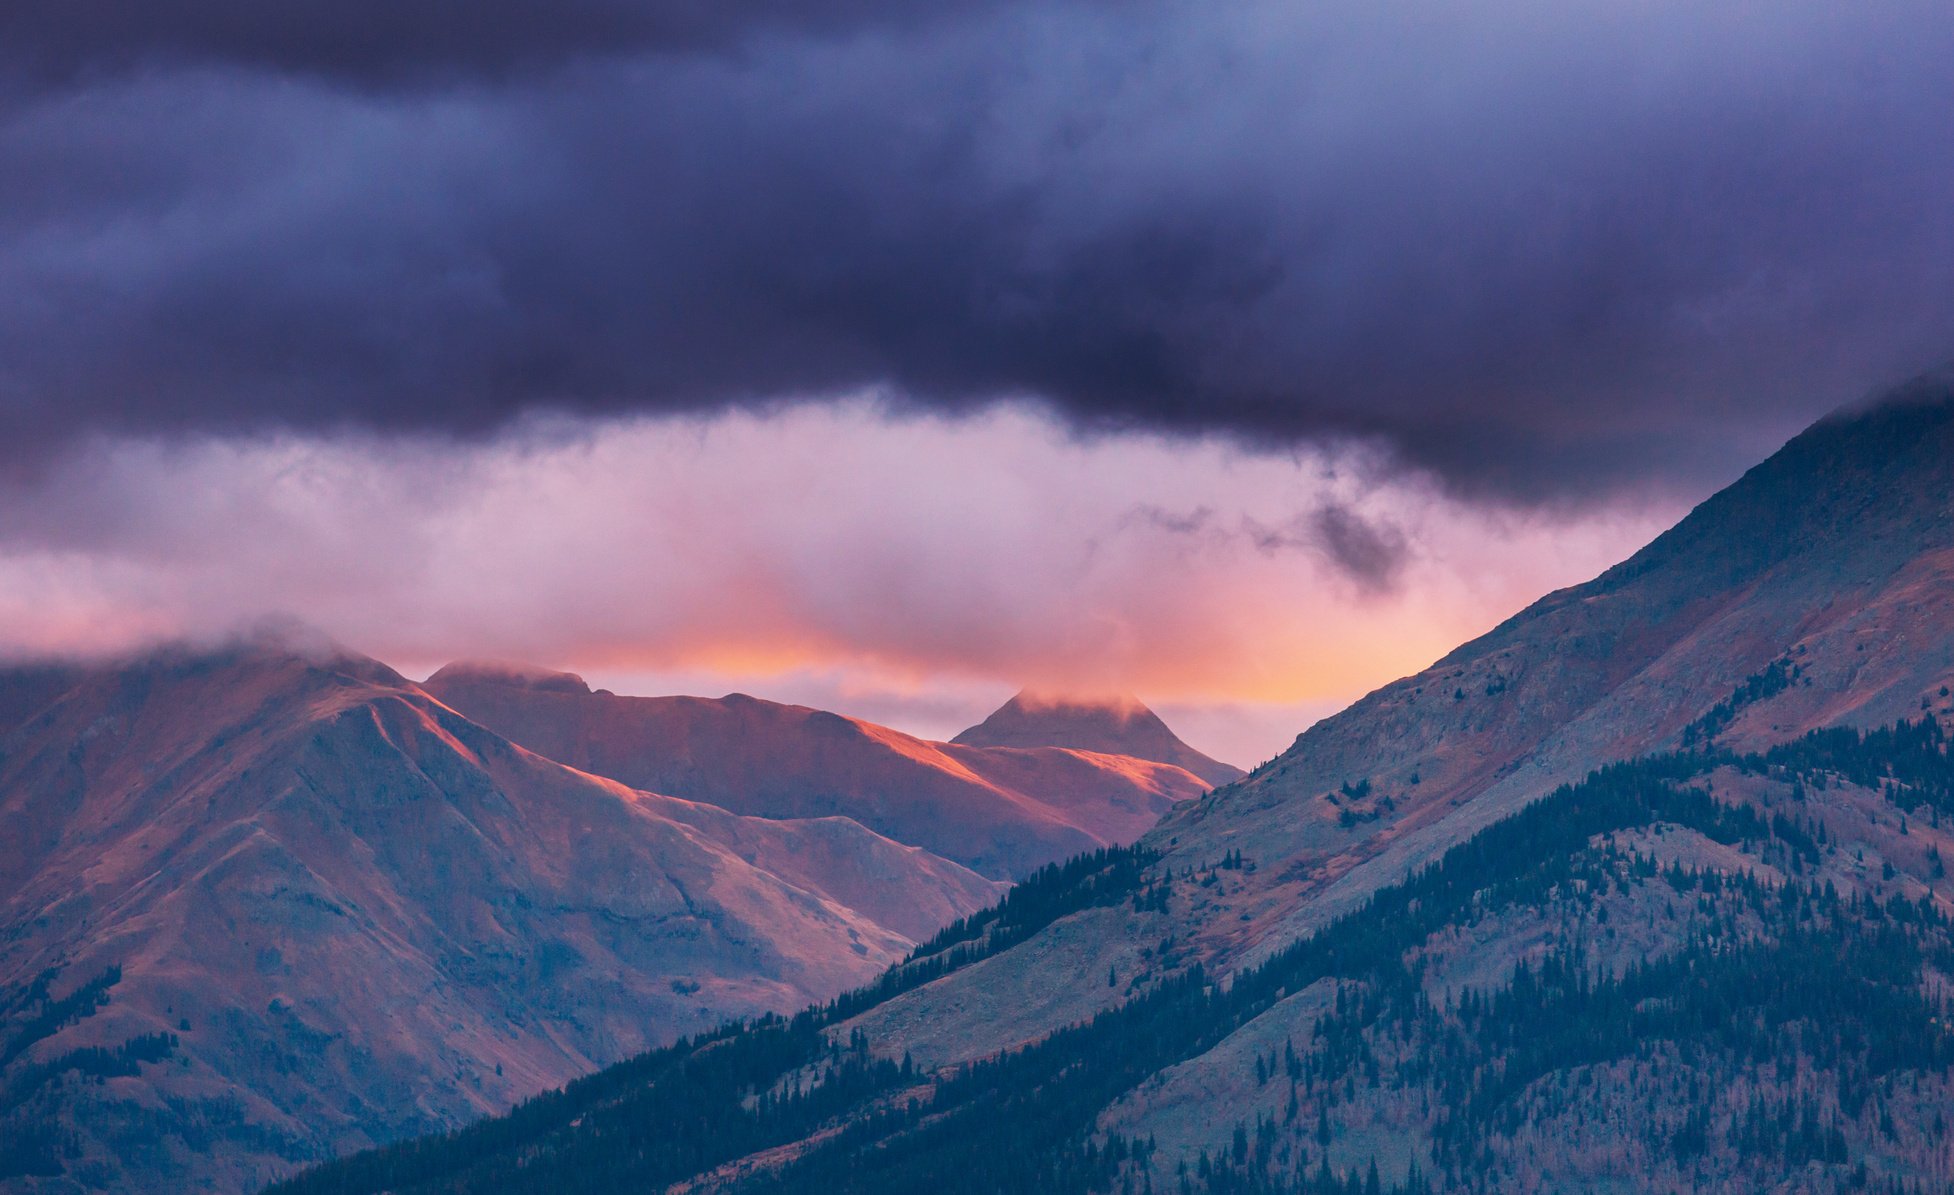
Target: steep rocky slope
258,907
1003,811
1122,726
1426,940
1834,558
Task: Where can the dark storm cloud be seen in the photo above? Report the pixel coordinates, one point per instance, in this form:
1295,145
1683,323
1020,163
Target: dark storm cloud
395,42
1371,552
1543,252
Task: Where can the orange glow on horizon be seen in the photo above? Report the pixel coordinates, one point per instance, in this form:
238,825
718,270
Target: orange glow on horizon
884,564
1294,667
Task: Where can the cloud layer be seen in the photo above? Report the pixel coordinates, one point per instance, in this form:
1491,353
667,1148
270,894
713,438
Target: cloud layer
892,356
831,555
1545,253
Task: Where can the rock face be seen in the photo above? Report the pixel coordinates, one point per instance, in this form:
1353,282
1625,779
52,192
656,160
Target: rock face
1427,936
1002,810
321,909
1121,726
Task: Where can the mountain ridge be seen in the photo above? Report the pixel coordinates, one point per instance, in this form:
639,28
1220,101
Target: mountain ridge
358,914
1002,811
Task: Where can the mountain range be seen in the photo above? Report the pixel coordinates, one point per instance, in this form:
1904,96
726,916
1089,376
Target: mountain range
1644,889
1002,809
272,902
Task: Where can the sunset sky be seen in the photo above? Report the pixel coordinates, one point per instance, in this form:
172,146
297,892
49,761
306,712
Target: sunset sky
888,357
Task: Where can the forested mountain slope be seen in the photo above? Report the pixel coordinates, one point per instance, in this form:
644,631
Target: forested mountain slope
1691,972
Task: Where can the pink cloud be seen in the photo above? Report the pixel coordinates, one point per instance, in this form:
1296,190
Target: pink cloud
877,564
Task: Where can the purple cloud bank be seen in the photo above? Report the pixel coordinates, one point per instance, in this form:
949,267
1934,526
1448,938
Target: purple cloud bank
1544,253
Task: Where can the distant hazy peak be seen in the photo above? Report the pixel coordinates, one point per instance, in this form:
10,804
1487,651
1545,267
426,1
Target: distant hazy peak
1119,725
508,674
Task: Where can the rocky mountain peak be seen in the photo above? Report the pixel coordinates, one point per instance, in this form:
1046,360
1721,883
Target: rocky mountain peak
508,674
1114,725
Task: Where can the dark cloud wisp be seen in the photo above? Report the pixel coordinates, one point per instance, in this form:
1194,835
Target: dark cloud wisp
1540,254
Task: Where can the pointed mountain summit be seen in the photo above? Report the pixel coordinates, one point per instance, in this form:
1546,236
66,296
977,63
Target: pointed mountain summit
1116,726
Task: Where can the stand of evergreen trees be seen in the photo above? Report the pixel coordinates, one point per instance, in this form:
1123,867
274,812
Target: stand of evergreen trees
34,1137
